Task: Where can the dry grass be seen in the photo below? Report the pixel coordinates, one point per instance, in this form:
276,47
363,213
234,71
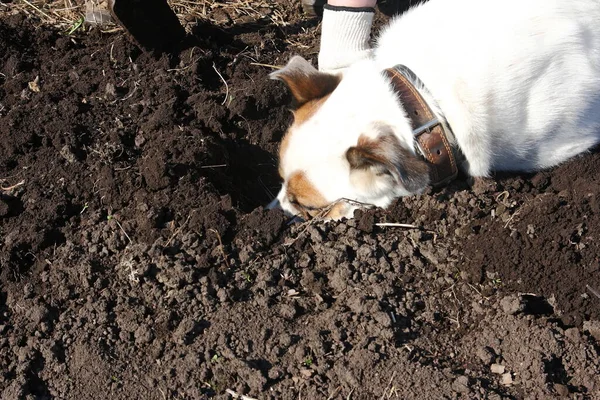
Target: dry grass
65,14
219,12
61,13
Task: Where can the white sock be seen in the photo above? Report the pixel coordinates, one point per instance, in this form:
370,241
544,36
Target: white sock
345,36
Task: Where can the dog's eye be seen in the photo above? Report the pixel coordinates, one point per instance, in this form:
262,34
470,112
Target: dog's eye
384,173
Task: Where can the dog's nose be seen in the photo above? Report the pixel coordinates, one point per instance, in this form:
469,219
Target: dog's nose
275,204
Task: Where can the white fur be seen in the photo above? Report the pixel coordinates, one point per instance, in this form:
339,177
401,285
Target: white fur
517,80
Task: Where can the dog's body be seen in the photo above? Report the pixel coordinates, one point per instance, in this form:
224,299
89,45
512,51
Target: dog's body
518,81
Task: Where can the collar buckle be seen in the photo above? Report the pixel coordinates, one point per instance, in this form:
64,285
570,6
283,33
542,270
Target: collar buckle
426,127
430,131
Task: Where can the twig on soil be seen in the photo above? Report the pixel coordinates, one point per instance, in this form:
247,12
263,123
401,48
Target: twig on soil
594,292
9,188
334,394
214,166
239,396
457,319
266,65
120,226
322,214
220,246
37,9
177,231
389,386
509,220
136,84
184,68
478,292
132,272
504,195
225,82
396,225
112,59
350,394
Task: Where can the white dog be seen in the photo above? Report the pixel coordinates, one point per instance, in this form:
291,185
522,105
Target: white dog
487,84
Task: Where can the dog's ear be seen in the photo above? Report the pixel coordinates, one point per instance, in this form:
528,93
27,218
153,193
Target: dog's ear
304,81
375,163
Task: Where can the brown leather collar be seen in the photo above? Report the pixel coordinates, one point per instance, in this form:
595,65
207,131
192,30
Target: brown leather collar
431,133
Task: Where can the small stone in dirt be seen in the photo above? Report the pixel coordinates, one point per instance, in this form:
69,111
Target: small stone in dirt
222,295
573,335
306,373
110,90
506,379
287,311
561,390
139,140
382,318
497,369
34,85
67,154
315,234
275,373
28,290
511,305
186,331
486,355
365,220
593,327
143,335
461,384
477,307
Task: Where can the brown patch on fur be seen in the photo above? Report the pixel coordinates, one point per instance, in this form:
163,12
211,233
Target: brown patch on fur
370,152
307,87
303,195
308,109
371,159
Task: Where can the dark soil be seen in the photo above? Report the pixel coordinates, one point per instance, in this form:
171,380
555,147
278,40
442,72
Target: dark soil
137,261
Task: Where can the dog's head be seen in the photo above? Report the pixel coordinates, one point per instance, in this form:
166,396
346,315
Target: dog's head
342,150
